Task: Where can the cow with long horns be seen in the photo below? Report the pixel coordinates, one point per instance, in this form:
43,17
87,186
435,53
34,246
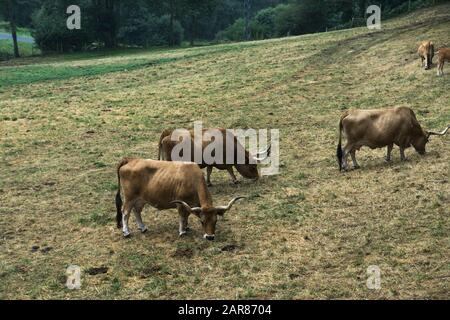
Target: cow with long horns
381,128
232,153
166,185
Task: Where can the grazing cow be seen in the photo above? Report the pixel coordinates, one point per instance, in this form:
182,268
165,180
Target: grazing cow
426,53
381,128
443,55
166,185
247,168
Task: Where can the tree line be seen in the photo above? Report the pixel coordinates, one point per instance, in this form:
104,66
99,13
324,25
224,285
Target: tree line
145,23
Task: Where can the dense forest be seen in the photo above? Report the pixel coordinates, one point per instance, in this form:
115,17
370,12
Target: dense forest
144,23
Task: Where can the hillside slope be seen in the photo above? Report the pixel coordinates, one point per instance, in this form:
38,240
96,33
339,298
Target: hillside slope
310,232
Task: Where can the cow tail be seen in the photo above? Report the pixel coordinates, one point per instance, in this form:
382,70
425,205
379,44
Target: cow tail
339,153
118,198
159,149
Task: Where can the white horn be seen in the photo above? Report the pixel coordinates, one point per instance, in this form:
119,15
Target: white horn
230,204
440,133
188,207
263,155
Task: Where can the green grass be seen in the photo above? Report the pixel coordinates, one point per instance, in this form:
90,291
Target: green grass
25,49
4,28
310,232
6,46
119,62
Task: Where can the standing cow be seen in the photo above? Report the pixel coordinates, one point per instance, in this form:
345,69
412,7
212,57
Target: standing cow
229,145
443,55
381,128
166,185
426,54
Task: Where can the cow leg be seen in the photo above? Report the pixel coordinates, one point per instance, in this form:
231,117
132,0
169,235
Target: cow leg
402,154
353,155
137,214
388,154
208,175
345,153
184,215
440,70
233,177
127,207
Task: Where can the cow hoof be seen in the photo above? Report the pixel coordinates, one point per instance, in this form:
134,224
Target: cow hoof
356,167
387,160
236,182
182,233
209,184
143,230
126,234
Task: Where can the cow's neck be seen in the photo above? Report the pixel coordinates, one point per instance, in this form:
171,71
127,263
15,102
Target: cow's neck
204,196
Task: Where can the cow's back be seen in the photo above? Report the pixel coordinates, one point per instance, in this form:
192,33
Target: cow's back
229,144
380,127
160,182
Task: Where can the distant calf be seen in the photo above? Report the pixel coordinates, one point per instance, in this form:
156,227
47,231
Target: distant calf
426,53
166,185
381,128
443,55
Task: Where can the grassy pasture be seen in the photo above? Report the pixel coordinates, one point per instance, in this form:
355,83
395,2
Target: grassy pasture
25,49
6,46
310,232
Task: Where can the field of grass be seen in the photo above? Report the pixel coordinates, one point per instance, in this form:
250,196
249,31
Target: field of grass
4,27
25,49
6,46
310,232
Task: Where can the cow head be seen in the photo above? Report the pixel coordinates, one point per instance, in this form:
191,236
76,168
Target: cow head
208,215
429,55
249,170
420,142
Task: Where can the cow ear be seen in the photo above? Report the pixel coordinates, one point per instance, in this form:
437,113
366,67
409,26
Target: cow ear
197,214
221,212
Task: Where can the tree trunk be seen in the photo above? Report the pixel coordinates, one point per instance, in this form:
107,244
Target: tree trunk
14,37
192,35
247,33
12,24
110,36
172,17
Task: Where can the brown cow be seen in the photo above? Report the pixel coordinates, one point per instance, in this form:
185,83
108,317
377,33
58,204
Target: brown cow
426,53
248,168
443,55
166,185
381,128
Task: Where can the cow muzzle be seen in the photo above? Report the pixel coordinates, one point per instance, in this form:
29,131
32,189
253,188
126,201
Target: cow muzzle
208,237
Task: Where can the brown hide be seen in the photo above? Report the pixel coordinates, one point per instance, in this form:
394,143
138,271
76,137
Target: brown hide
443,55
426,53
380,128
248,170
160,184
